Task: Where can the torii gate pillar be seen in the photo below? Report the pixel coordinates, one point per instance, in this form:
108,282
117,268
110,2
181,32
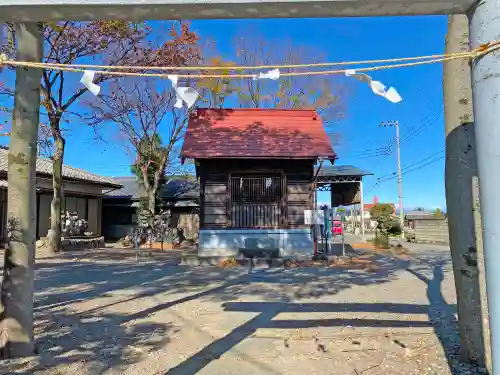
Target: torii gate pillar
484,18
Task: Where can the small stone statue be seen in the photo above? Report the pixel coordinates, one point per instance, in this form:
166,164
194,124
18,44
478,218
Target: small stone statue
161,225
73,226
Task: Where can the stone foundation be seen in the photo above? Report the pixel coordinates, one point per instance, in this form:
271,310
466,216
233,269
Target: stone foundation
82,243
291,243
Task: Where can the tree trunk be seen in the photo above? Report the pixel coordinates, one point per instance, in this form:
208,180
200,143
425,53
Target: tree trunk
16,318
152,203
460,171
55,206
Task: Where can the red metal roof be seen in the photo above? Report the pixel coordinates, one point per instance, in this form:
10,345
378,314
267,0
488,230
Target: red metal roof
256,133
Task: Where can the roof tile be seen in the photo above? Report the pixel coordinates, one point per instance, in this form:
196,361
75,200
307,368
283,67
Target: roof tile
256,133
44,165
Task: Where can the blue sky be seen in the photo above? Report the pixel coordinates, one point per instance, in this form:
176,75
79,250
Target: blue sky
342,39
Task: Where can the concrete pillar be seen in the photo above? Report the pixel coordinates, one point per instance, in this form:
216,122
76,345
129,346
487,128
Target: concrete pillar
459,172
484,26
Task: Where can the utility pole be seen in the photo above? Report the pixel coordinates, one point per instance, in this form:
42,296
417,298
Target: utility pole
400,177
362,204
460,172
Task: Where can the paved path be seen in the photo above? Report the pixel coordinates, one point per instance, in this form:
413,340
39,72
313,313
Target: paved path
108,314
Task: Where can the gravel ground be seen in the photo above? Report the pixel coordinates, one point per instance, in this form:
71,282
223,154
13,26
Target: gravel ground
106,313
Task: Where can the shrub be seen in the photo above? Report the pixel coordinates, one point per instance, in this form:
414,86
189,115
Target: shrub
381,240
387,224
393,226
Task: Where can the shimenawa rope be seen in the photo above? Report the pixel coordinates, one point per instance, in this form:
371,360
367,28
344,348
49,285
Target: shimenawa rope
119,70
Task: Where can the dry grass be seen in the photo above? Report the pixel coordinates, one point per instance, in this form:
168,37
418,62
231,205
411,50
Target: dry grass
157,246
229,263
362,262
399,251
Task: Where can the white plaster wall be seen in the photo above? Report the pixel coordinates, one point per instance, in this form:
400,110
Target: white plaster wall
44,215
227,242
94,216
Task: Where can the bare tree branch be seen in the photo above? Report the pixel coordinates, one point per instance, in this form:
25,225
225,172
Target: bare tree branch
325,94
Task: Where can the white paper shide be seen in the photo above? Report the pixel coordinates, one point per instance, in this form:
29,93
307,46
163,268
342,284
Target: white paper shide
186,95
377,87
88,81
273,74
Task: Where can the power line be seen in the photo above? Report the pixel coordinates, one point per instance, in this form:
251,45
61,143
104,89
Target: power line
368,150
416,126
408,97
382,151
423,165
412,165
423,124
372,187
379,181
409,169
413,132
427,158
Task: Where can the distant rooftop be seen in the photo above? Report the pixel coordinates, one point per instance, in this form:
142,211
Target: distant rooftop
174,189
415,215
341,170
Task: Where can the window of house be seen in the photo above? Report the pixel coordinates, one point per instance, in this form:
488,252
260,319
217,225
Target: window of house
256,201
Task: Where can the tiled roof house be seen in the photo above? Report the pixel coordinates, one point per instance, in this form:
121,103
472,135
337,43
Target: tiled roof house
180,195
83,192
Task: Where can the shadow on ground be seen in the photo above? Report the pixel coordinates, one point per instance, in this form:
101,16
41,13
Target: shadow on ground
443,318
104,339
441,315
